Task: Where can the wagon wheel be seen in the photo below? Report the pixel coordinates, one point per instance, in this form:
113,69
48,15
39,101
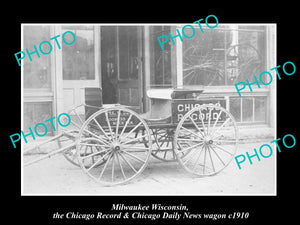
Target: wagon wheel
77,121
206,140
162,147
121,136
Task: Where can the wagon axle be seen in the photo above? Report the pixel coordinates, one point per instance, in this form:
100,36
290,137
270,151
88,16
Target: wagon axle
115,147
208,141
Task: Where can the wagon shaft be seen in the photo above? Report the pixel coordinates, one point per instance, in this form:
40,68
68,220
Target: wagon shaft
51,154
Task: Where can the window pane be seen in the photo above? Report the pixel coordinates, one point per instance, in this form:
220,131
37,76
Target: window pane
36,72
161,75
246,57
37,112
204,57
260,108
247,109
78,58
222,56
235,108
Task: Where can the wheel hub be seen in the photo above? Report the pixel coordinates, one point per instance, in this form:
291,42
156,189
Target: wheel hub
115,147
208,141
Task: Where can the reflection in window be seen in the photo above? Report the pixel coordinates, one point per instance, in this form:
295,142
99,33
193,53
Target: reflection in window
78,58
161,64
36,72
223,56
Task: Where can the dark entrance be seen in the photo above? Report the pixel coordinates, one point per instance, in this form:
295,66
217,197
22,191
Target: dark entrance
121,66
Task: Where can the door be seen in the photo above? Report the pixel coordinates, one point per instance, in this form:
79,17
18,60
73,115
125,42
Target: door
79,62
121,66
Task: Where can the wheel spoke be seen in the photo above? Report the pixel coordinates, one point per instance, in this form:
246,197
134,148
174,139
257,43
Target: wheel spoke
120,165
196,126
217,155
125,126
100,127
108,123
187,75
189,157
191,132
133,156
113,168
137,148
195,164
217,119
93,154
118,121
128,163
134,139
92,166
191,147
226,141
130,132
202,121
219,128
189,140
76,125
212,163
78,117
165,154
105,165
209,118
219,147
204,161
96,136
86,144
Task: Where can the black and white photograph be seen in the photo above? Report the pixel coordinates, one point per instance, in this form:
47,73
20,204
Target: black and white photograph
148,109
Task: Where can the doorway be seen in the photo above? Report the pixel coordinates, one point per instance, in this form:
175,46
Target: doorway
121,66
79,65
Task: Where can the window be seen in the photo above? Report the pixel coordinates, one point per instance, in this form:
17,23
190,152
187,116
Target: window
37,73
223,56
37,112
78,58
248,109
161,59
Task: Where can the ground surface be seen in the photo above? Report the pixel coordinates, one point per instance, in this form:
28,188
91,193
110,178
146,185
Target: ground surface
56,176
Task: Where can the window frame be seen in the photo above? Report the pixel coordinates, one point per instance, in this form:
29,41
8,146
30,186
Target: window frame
235,27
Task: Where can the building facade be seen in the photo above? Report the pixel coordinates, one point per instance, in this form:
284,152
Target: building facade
126,60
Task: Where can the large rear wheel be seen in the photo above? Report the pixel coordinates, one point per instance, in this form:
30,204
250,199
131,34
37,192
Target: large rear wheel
206,140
